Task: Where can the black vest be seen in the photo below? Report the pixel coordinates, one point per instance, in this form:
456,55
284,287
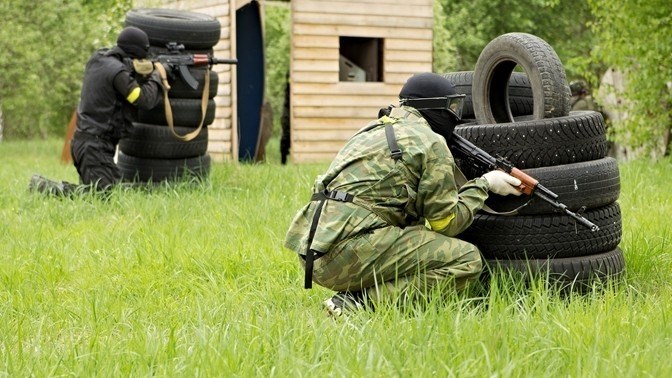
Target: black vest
102,111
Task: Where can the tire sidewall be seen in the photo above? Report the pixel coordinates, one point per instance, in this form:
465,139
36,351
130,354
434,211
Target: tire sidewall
494,67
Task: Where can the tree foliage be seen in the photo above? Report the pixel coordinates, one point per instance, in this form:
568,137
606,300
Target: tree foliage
589,36
44,46
277,29
468,26
635,37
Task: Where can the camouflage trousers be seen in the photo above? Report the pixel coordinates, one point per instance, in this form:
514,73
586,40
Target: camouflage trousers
389,262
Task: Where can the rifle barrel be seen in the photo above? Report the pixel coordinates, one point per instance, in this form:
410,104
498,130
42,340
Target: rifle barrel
224,61
592,226
563,208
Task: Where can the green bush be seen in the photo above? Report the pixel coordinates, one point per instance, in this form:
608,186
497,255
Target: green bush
44,46
636,39
468,27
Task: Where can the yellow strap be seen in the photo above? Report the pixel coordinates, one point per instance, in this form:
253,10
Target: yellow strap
169,111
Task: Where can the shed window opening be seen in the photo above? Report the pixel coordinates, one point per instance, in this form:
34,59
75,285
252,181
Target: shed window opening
361,59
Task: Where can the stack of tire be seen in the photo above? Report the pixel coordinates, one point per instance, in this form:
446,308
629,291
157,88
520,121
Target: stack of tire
151,153
526,118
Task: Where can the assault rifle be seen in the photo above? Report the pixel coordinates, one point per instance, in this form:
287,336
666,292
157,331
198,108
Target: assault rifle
480,159
176,61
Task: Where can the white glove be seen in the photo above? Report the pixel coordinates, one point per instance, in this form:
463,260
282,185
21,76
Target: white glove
502,183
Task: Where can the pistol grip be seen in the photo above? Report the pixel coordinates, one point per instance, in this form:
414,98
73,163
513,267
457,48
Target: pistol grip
187,77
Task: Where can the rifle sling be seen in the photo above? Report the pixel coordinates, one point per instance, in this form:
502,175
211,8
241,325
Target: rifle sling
169,111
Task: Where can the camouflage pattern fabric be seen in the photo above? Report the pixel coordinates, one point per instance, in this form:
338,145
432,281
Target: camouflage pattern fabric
380,240
390,262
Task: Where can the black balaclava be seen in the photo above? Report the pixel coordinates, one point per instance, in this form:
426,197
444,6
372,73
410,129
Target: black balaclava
426,85
134,42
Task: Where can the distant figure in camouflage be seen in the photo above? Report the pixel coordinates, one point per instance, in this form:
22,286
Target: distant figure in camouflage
363,234
581,98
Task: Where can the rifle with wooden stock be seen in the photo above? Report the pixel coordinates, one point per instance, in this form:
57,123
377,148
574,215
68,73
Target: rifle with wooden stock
177,61
530,186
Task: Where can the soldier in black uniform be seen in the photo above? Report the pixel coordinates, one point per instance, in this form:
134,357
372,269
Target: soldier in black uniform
117,82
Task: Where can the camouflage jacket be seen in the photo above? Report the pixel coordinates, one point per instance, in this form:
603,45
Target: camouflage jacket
418,188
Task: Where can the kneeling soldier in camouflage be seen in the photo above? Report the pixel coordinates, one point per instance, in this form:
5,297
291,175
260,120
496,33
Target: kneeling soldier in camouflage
363,233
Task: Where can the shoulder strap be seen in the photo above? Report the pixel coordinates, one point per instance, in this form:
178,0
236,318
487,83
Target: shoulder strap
395,152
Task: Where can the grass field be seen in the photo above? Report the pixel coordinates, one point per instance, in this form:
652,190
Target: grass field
194,281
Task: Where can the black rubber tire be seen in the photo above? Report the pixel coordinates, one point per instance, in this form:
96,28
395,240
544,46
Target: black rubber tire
158,142
577,137
544,236
572,272
135,169
193,30
186,113
590,184
521,99
542,66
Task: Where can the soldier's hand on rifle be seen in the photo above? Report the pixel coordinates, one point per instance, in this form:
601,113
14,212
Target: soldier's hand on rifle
502,183
143,67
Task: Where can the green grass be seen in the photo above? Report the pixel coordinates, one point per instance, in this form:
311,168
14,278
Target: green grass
194,281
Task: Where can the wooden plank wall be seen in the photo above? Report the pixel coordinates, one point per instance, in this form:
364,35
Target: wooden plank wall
220,132
326,112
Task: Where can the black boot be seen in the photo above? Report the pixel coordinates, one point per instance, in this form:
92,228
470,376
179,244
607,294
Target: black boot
40,184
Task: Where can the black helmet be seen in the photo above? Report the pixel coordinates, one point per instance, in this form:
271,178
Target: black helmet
435,98
134,42
578,88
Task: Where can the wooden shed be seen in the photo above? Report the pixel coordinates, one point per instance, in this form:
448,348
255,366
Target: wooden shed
348,59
